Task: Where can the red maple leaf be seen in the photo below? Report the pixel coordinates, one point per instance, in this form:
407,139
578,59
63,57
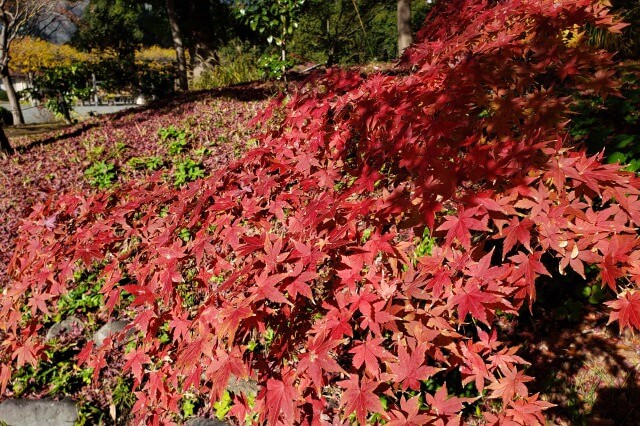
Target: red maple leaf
229,317
443,404
409,414
135,360
458,227
369,352
512,384
360,398
351,273
528,411
530,267
281,397
273,254
626,309
38,301
223,364
318,359
471,299
180,325
265,287
517,232
300,286
5,376
474,368
410,369
27,353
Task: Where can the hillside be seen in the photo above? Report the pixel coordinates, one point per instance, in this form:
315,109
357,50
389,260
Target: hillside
214,124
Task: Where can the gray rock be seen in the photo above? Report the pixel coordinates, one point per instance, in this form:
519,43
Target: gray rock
64,327
107,330
24,412
246,386
199,421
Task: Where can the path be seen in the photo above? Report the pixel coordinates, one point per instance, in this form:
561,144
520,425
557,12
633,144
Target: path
33,115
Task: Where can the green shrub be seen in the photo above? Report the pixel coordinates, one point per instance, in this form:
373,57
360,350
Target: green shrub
238,64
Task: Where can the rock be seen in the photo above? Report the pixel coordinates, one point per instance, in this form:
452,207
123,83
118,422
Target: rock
107,330
64,326
24,412
245,386
200,421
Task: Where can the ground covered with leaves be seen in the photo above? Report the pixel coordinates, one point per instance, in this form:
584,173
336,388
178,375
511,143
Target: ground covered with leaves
208,128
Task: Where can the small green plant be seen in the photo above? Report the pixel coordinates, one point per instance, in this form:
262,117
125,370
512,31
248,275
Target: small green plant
101,174
425,245
187,171
223,406
83,298
149,163
202,151
118,149
94,152
176,139
184,235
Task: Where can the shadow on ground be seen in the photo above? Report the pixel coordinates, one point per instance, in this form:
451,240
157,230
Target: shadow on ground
588,369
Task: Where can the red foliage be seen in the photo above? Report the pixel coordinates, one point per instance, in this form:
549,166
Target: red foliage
301,265
55,163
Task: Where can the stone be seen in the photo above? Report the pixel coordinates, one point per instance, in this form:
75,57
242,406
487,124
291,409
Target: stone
64,326
24,412
245,386
200,421
107,330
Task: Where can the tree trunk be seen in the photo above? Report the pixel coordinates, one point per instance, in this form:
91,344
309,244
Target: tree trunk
16,110
203,40
64,109
178,45
405,36
5,146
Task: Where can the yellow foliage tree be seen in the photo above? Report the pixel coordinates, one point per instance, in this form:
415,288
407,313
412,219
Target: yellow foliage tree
156,54
32,54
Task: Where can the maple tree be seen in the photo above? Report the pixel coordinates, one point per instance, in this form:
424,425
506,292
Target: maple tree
300,268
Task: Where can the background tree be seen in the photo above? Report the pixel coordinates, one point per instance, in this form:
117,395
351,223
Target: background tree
111,27
178,43
333,31
276,20
29,55
351,31
405,36
59,86
17,17
205,26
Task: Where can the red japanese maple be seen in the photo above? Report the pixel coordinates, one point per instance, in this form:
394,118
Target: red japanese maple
301,269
